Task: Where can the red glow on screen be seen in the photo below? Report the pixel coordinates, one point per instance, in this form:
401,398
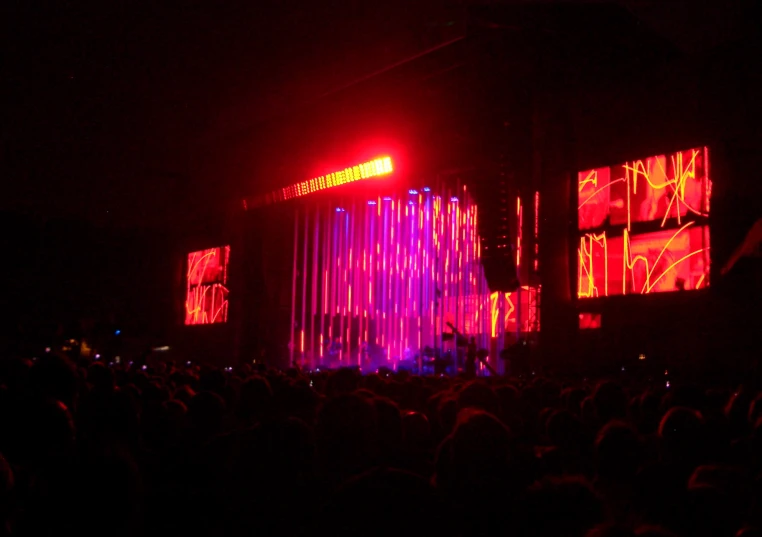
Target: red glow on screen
589,321
526,300
655,262
660,188
593,197
625,204
592,266
519,225
206,299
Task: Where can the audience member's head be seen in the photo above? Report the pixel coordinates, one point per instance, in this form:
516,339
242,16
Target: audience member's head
682,435
384,502
270,452
416,431
566,431
346,435
389,422
256,400
561,507
101,378
618,452
481,453
206,411
610,402
54,377
479,395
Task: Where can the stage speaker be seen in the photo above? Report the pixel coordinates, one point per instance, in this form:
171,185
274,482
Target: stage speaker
508,149
500,274
496,229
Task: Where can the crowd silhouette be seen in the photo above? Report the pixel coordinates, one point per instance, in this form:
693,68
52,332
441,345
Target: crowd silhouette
95,449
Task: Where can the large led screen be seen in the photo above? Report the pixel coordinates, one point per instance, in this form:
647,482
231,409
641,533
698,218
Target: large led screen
644,226
206,299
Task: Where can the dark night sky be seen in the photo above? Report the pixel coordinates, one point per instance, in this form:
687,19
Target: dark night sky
122,111
113,105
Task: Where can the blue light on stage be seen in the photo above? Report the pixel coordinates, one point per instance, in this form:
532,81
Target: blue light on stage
377,278
412,191
426,189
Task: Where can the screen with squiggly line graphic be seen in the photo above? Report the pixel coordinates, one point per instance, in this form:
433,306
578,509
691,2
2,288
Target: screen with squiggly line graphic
644,226
206,300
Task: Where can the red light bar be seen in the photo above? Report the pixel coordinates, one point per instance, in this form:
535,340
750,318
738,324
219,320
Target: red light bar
366,170
373,168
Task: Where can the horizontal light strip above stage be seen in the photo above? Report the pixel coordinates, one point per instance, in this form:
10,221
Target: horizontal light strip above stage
367,170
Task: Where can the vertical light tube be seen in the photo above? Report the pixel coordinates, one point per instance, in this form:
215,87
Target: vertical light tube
327,262
429,273
518,232
384,299
501,299
395,280
464,274
409,274
517,300
459,313
434,270
357,276
470,280
407,261
304,286
348,281
342,284
420,274
364,279
315,271
441,224
456,260
292,344
372,266
335,268
388,296
388,273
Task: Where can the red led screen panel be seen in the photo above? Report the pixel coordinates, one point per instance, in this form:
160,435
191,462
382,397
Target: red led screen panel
594,200
662,261
526,301
206,299
589,321
621,208
663,188
592,266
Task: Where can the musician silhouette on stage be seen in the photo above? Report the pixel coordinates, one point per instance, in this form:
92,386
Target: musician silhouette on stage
471,355
518,358
333,348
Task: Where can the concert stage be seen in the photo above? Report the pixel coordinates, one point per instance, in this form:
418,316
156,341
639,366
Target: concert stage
384,273
397,281
360,268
